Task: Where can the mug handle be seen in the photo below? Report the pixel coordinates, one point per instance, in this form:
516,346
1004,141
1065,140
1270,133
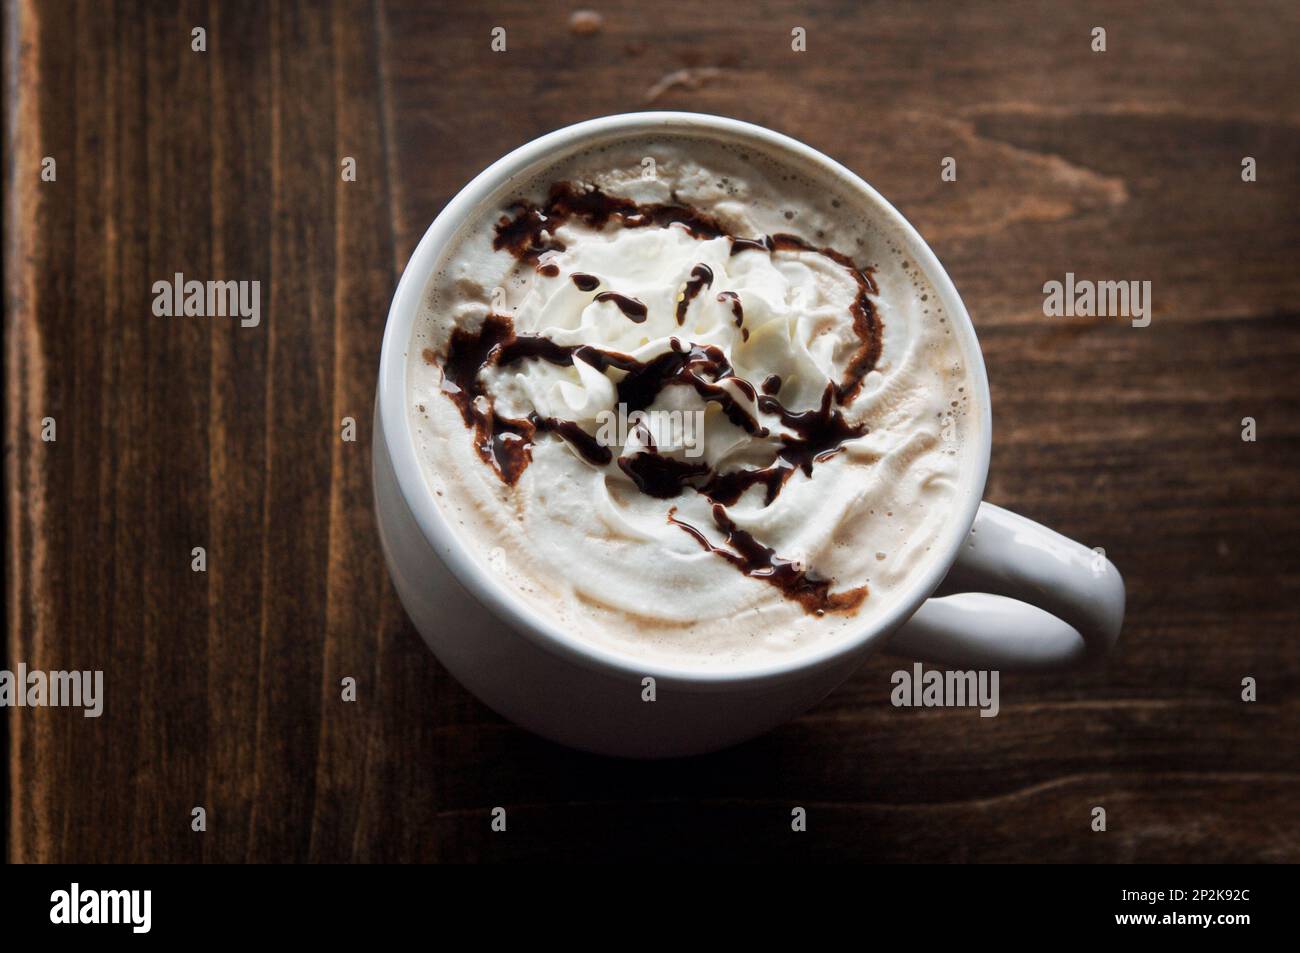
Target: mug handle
1020,597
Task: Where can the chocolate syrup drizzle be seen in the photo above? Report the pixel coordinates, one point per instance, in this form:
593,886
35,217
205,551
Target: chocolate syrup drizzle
634,309
737,311
588,447
760,562
701,277
866,323
701,366
504,443
528,231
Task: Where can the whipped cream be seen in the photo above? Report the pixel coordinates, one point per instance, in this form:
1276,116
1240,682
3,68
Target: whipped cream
799,405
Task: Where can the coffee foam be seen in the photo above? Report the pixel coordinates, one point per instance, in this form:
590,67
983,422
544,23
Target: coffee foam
585,546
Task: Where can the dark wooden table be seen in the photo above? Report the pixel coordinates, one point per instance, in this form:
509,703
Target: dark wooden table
222,687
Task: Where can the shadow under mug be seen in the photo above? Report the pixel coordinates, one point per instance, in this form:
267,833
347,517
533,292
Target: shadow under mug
1002,591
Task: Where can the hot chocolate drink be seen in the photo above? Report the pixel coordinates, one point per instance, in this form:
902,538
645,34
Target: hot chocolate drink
689,400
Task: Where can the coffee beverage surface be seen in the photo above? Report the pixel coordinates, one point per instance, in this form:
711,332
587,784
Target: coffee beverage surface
690,401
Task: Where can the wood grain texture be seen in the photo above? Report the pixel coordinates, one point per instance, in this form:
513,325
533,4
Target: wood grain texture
181,432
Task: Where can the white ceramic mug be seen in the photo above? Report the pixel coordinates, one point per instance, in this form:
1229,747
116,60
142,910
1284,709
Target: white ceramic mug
1010,594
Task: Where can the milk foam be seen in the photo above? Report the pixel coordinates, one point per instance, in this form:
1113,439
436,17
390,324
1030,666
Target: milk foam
581,542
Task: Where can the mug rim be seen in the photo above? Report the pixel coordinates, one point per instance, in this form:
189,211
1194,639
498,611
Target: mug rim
495,594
